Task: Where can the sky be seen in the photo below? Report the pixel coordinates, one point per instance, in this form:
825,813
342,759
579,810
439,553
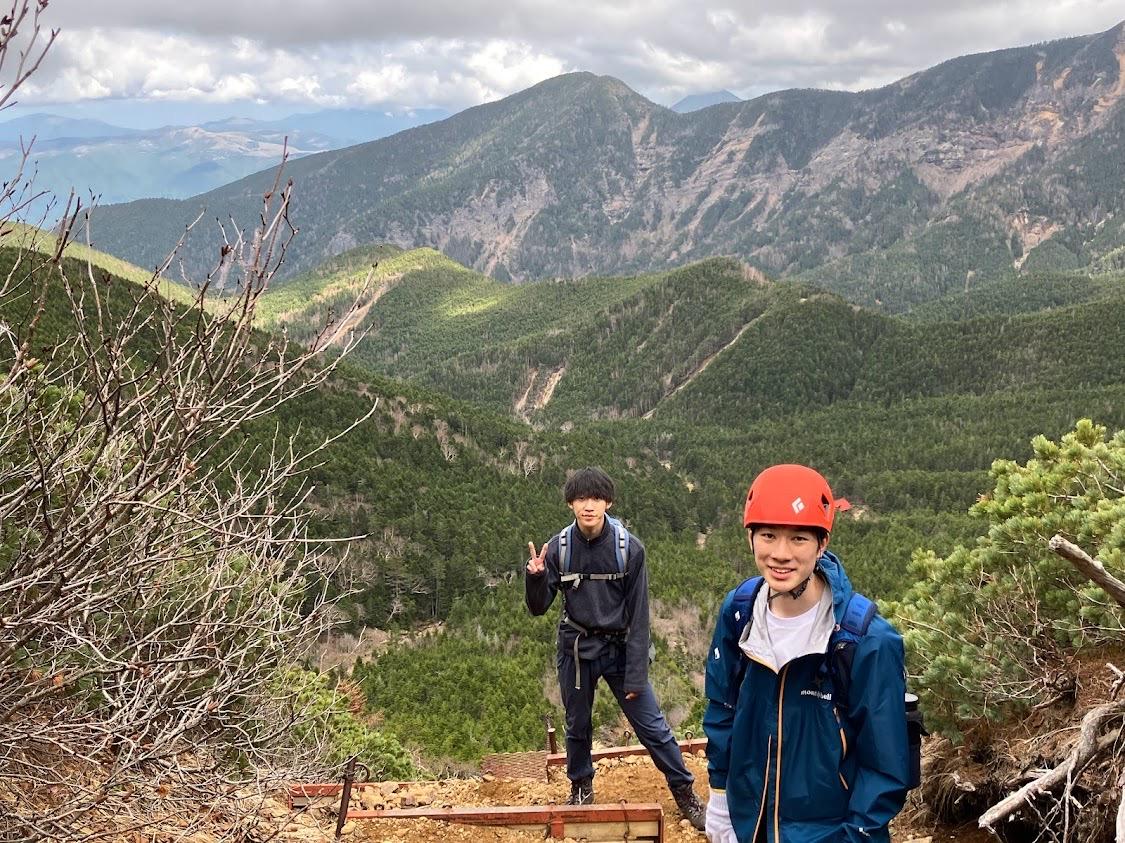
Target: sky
142,63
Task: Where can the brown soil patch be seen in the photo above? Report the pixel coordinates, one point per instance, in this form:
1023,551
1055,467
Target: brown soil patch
631,779
1119,90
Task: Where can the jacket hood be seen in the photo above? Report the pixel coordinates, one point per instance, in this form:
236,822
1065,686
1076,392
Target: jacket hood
833,572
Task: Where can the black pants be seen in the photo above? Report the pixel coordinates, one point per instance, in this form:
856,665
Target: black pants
643,713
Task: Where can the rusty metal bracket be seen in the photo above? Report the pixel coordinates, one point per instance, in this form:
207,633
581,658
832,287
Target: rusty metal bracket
300,795
345,796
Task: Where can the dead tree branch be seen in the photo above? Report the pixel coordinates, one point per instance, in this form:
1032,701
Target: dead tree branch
1090,567
156,569
1086,748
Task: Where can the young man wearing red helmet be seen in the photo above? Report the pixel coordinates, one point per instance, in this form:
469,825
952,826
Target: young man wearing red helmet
806,724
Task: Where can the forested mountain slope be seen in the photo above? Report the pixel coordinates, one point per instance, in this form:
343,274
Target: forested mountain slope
978,167
1025,294
816,365
711,342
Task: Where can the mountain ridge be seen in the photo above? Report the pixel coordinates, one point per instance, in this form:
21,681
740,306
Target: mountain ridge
702,343
579,174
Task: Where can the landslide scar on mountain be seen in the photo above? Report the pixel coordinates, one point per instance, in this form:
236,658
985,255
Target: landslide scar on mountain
500,225
354,318
1032,231
719,169
1116,94
521,402
549,387
522,216
535,399
647,154
703,364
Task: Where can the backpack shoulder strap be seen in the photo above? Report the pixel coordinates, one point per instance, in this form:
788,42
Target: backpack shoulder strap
621,539
564,548
742,607
858,615
743,603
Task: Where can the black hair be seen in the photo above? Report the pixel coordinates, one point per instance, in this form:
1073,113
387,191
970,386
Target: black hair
588,482
820,533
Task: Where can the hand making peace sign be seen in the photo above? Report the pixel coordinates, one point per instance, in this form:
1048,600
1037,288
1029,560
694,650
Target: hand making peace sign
537,564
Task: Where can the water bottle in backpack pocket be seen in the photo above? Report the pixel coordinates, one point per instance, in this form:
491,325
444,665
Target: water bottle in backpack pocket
915,729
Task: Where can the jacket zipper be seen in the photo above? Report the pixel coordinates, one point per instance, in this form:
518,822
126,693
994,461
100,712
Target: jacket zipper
777,781
765,788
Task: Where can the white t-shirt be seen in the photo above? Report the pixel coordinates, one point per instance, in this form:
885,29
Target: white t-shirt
789,637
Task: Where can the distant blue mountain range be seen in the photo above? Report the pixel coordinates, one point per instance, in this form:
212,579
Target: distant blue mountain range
694,102
52,126
347,126
118,164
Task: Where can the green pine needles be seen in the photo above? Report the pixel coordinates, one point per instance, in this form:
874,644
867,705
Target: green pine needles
996,627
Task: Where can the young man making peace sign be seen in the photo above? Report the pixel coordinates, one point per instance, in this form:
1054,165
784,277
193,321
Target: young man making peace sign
604,634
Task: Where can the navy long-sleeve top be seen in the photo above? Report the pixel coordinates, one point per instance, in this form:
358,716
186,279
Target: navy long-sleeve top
613,606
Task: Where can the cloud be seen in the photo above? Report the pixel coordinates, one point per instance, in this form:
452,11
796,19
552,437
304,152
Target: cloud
457,53
385,84
502,66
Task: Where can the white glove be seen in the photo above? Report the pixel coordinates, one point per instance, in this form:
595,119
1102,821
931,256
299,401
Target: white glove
717,825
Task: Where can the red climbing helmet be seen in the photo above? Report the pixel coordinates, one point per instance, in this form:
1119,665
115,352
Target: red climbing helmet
791,496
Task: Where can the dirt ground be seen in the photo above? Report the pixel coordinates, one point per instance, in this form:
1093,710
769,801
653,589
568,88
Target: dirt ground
268,817
633,779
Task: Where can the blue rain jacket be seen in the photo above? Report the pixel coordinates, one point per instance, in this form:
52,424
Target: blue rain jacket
797,764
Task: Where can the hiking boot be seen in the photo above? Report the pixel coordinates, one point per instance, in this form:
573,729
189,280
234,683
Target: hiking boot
693,810
581,792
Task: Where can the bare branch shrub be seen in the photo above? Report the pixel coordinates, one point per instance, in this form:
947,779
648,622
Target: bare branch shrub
155,568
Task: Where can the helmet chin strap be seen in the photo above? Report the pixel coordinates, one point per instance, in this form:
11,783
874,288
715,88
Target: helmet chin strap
797,590
795,593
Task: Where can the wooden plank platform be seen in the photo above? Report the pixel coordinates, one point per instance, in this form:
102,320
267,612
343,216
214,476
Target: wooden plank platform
594,823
